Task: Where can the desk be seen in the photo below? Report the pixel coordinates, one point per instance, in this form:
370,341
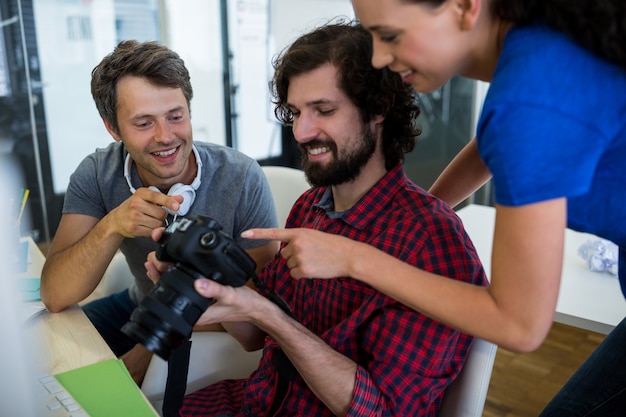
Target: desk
65,340
587,299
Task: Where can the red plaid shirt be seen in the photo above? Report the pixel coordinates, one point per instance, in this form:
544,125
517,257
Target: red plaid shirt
405,359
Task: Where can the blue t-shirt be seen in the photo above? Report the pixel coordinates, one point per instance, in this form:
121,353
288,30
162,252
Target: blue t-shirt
554,125
233,190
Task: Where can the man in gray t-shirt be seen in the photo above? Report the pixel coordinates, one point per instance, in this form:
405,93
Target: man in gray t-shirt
152,174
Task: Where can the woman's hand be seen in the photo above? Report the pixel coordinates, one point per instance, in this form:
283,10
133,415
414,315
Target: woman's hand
310,253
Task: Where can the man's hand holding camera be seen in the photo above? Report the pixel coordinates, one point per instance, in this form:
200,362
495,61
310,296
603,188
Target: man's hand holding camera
225,297
154,266
246,314
189,251
230,304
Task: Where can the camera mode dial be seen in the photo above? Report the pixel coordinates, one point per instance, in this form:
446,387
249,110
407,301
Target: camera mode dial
208,240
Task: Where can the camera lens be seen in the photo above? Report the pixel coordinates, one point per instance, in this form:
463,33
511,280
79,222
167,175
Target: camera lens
165,317
208,240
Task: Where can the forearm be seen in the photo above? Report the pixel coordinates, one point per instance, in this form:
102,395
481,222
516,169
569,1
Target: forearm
515,311
216,327
329,374
248,335
455,303
72,272
463,176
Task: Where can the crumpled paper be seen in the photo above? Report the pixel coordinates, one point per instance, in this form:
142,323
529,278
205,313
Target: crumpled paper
600,255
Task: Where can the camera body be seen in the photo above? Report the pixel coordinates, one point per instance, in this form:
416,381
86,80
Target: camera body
198,248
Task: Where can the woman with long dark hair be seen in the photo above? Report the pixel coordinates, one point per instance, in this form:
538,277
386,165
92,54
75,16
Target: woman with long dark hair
551,135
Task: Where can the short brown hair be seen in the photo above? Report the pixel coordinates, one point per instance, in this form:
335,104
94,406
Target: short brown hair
151,60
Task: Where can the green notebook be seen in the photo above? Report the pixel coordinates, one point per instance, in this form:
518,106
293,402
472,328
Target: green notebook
106,389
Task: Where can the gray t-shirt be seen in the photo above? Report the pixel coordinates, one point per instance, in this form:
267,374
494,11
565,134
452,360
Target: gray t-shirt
233,190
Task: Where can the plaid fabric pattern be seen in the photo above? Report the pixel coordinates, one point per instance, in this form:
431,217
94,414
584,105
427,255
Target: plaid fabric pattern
405,360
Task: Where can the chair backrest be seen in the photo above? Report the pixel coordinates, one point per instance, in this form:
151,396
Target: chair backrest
466,396
287,184
117,277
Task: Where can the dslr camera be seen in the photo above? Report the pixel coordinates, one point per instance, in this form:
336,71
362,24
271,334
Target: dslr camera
198,248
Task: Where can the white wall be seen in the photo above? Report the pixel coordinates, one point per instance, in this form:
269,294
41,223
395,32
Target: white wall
259,30
192,28
74,128
290,19
254,132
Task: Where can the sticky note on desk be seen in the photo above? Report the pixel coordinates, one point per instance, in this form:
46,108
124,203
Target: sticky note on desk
106,389
29,288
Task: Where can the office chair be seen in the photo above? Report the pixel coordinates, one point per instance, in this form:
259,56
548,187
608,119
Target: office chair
466,396
287,184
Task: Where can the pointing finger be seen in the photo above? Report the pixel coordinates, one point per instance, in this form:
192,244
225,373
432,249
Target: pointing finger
284,235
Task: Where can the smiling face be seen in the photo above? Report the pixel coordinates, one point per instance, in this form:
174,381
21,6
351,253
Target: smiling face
336,145
155,126
424,43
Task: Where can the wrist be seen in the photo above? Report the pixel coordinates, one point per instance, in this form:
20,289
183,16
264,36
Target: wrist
267,315
357,265
107,228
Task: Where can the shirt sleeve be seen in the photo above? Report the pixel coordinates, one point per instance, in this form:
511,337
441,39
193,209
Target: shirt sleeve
533,157
82,195
256,207
409,361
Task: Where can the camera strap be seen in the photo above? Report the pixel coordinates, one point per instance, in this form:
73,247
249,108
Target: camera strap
284,375
176,384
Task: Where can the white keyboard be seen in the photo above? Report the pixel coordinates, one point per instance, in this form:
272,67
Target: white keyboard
53,400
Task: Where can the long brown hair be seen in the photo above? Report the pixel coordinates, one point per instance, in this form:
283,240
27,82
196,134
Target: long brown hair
597,25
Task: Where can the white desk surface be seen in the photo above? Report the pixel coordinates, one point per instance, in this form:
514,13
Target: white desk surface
587,299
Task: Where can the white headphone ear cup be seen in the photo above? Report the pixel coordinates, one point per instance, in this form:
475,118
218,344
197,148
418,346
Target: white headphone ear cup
188,193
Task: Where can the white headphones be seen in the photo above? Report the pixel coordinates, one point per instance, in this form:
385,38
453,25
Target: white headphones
187,191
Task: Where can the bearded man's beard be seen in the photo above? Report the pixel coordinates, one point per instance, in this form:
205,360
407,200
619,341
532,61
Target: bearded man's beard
342,169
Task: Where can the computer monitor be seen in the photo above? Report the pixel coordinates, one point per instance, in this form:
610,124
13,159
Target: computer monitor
16,352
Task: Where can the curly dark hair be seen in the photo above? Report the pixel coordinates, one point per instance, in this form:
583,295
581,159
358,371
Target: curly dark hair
151,60
597,25
348,46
